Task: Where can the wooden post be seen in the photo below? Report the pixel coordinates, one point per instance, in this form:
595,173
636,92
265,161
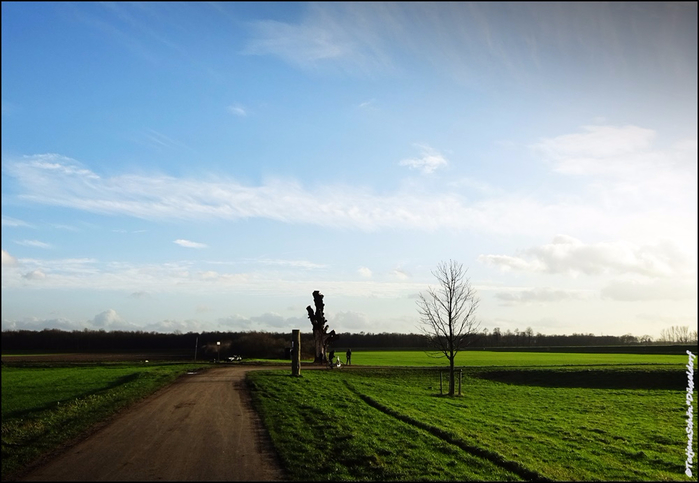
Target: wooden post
461,373
296,352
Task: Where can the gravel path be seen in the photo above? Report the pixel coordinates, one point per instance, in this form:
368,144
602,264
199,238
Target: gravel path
201,428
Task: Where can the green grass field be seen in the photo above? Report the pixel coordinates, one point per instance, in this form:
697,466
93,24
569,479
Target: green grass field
521,416
520,359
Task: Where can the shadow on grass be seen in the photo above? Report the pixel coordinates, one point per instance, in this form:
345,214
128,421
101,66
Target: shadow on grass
592,379
37,409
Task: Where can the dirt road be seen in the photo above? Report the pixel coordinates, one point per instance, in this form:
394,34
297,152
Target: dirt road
201,428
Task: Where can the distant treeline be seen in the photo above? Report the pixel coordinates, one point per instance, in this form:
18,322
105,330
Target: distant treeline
276,345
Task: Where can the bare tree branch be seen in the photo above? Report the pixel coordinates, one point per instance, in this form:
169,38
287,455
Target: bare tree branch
447,313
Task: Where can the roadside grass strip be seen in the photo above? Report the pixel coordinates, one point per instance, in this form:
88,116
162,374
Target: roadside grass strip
44,407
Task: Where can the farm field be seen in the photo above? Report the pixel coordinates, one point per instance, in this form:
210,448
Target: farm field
520,359
521,416
591,417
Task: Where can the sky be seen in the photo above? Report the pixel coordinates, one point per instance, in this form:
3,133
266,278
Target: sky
207,166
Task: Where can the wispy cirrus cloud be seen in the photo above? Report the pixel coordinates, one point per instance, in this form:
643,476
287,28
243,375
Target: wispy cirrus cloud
189,244
238,110
650,203
598,149
9,221
323,37
161,141
33,243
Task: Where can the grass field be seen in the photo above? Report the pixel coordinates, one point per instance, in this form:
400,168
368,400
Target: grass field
45,405
520,359
522,416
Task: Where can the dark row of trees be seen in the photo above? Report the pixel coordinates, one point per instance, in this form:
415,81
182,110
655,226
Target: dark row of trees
276,345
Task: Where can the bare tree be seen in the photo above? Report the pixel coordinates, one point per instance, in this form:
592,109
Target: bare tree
678,334
447,312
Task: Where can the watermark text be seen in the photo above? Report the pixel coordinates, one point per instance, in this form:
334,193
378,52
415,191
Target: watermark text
690,415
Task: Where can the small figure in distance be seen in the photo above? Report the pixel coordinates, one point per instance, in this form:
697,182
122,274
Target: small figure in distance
348,355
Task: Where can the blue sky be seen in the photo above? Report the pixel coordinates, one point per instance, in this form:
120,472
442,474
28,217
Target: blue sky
207,166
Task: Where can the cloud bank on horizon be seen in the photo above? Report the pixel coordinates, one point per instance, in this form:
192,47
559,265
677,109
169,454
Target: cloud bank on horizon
191,167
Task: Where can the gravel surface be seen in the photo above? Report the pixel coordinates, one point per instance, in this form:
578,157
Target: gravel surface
201,428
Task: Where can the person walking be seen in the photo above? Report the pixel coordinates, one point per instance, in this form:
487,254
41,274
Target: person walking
348,357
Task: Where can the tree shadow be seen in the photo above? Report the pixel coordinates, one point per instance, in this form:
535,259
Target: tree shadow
24,413
592,378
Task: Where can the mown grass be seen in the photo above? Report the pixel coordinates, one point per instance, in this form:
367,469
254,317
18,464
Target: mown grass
493,358
392,424
43,406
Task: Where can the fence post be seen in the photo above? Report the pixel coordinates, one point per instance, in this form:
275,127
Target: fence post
296,352
461,373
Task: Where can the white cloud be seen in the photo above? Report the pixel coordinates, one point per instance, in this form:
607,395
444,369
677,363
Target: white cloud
540,296
599,150
8,260
171,326
660,202
33,243
400,274
160,140
34,275
107,319
350,321
645,290
162,197
33,323
321,39
364,272
367,104
289,263
189,244
568,255
8,221
209,275
429,161
299,44
238,110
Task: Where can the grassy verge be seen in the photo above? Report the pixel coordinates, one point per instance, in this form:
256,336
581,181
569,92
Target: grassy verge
43,407
392,424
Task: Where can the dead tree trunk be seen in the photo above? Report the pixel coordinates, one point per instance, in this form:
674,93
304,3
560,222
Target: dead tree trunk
320,329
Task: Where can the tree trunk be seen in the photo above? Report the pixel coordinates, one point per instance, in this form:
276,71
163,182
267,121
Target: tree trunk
320,328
